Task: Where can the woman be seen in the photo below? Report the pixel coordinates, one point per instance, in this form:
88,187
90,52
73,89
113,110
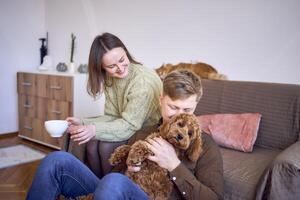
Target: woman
131,101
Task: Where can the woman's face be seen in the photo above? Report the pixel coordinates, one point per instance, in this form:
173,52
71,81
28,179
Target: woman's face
115,62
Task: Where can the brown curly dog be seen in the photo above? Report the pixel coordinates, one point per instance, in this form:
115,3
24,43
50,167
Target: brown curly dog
183,132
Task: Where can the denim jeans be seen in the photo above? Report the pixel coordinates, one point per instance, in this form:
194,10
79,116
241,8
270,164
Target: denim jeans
62,173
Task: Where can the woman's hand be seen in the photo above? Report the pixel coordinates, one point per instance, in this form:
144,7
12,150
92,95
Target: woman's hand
164,153
82,133
72,121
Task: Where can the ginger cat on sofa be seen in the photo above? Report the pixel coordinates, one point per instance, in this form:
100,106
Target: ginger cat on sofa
203,70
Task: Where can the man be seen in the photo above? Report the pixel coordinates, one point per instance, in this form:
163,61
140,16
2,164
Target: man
61,173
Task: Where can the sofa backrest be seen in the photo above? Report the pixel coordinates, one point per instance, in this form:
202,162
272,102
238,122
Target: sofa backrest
279,105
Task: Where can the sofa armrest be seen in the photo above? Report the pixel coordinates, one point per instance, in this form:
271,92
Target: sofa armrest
281,180
290,155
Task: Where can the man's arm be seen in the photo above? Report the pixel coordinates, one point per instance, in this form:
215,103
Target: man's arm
207,180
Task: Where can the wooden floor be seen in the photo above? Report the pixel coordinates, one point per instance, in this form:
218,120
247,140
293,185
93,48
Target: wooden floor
15,181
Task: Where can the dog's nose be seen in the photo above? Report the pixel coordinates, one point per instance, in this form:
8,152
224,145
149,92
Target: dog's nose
179,137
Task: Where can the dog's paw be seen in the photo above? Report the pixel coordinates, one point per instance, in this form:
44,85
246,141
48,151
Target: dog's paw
138,153
114,160
119,155
134,161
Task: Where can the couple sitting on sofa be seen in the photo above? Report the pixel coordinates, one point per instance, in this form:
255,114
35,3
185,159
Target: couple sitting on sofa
270,171
61,173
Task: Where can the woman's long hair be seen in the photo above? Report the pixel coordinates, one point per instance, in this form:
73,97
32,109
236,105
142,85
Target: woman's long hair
102,44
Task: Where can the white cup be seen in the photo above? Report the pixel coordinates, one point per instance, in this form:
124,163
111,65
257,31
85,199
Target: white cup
56,128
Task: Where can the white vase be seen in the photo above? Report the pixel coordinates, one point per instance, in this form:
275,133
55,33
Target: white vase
72,68
46,65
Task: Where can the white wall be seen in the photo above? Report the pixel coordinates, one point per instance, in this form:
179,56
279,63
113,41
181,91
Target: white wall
22,23
247,40
250,40
62,19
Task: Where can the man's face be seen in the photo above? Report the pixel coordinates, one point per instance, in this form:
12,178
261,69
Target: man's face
170,108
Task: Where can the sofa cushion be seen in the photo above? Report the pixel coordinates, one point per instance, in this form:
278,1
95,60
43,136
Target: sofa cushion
235,131
242,171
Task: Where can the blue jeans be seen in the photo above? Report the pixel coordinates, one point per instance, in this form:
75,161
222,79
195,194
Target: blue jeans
62,173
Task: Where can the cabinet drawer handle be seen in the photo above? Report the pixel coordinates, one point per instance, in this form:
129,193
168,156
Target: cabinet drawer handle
28,84
55,87
28,127
56,112
27,106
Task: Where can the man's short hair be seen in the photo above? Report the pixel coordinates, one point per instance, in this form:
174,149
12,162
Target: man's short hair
181,85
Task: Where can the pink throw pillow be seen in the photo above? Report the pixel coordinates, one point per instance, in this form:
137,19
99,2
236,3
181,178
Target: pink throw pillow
235,131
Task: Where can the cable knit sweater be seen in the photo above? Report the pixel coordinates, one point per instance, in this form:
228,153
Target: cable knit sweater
130,103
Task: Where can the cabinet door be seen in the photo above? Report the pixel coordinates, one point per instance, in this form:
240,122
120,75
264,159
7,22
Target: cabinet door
26,83
58,109
40,134
31,128
57,142
27,106
41,85
41,108
38,126
60,88
26,126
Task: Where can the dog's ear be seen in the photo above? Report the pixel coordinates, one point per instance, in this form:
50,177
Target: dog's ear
164,129
195,149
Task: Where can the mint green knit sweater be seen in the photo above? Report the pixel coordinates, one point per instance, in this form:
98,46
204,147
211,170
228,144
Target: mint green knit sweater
130,103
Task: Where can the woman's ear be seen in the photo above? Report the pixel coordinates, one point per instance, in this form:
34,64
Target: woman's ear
195,149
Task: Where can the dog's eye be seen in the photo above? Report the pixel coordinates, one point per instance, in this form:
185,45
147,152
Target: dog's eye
180,124
190,133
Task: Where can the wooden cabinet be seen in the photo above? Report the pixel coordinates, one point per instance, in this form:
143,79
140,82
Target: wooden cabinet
48,96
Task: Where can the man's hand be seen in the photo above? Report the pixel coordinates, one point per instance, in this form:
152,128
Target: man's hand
164,153
82,133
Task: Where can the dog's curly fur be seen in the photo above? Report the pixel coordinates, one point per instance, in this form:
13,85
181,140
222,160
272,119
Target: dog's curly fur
183,132
203,70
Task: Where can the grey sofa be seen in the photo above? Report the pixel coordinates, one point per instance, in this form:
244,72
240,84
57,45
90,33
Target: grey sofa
272,170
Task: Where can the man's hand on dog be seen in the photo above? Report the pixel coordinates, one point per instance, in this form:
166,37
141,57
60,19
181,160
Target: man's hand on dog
164,153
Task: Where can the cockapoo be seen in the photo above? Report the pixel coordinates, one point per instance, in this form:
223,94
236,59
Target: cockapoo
183,132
